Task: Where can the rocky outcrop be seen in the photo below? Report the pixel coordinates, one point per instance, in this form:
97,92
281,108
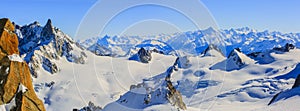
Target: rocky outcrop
142,55
286,48
42,46
297,82
152,91
288,93
8,40
262,57
173,95
15,79
91,107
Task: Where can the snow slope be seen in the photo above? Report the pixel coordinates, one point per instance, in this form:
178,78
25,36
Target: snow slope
103,80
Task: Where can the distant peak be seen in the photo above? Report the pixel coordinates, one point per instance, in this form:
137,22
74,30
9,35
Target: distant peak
210,29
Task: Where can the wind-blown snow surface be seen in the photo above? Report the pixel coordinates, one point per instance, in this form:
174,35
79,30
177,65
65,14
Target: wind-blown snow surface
103,80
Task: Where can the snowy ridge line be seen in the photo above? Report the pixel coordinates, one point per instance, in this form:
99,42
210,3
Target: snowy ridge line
195,42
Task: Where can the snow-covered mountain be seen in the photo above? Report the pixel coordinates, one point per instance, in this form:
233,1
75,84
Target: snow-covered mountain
41,46
236,69
195,42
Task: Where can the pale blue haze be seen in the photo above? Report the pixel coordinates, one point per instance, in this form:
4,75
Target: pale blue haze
279,15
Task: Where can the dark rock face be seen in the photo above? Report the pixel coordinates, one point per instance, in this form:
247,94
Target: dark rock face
262,57
235,57
286,48
49,66
173,95
16,85
48,32
144,55
297,82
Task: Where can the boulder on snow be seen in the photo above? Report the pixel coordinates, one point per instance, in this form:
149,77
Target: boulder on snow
15,80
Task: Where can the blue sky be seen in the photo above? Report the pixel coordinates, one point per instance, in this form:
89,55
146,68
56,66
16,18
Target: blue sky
279,15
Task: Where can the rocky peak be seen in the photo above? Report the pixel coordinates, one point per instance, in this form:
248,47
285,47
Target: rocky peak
234,54
48,31
16,88
5,24
8,40
144,55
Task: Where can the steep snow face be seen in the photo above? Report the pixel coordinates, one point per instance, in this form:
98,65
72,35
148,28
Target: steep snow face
41,46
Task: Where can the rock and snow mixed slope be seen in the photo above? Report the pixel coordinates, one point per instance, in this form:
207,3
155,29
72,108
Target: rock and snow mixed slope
108,82
41,46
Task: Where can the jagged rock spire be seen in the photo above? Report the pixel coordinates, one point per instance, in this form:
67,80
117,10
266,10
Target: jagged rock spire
48,31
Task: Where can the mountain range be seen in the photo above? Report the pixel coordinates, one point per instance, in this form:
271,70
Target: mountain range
235,69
